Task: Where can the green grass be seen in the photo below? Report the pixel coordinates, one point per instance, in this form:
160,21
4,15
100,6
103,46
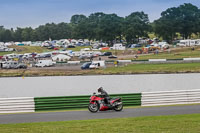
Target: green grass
26,49
152,124
31,49
4,53
153,68
178,53
174,55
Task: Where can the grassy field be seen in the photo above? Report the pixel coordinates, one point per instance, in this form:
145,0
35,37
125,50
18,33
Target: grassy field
30,49
152,124
172,55
175,53
37,49
153,68
26,49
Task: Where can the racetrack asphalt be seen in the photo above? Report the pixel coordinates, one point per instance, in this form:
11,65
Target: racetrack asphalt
85,115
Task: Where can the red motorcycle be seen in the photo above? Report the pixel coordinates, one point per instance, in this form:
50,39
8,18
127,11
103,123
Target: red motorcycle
97,103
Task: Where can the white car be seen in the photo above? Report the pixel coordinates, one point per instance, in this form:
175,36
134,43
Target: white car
97,64
44,63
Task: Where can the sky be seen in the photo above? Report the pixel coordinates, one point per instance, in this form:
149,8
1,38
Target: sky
32,13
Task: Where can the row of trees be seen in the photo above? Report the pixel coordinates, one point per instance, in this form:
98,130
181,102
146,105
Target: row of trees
183,20
43,32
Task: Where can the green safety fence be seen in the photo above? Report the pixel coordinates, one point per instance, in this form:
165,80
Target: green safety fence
139,60
79,102
178,59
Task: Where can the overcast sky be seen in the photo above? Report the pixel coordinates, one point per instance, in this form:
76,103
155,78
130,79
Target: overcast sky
32,13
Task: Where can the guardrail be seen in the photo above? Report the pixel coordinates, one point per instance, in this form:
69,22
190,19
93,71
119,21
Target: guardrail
170,97
191,59
78,102
124,61
140,61
155,60
17,105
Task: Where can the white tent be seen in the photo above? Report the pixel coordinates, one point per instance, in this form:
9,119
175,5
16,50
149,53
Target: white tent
61,57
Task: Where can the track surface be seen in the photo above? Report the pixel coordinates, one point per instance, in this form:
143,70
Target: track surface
84,115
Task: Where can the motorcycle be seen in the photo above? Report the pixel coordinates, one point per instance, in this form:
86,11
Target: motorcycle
97,103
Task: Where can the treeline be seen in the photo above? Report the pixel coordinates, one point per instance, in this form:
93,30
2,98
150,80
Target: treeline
183,20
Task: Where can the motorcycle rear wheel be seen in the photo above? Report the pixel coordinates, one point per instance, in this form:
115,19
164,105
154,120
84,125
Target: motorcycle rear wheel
118,107
93,107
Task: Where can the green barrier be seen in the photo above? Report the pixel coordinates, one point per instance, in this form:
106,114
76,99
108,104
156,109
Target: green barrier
110,61
79,102
83,62
61,62
175,59
139,60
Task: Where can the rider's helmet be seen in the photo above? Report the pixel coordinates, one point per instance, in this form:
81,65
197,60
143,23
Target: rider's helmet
100,89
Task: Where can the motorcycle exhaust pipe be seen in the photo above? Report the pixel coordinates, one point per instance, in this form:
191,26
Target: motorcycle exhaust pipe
118,103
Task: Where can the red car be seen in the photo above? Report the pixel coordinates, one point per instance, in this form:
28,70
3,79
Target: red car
56,48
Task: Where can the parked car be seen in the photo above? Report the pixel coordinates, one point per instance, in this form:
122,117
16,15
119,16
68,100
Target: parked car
13,65
107,53
134,46
97,64
86,65
71,46
51,47
44,63
21,66
112,56
9,64
138,45
43,55
56,48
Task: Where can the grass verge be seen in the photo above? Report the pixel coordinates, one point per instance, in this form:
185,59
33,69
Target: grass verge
153,68
172,55
151,124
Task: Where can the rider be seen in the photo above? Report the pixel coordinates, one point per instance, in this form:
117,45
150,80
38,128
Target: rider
104,94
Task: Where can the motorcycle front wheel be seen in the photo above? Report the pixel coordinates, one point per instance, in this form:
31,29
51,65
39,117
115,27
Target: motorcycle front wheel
93,107
118,107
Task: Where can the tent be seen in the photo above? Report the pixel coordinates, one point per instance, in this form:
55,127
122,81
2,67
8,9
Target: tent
61,57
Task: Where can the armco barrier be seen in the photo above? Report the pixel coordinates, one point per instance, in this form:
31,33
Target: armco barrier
73,62
17,105
170,97
124,61
157,60
78,102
